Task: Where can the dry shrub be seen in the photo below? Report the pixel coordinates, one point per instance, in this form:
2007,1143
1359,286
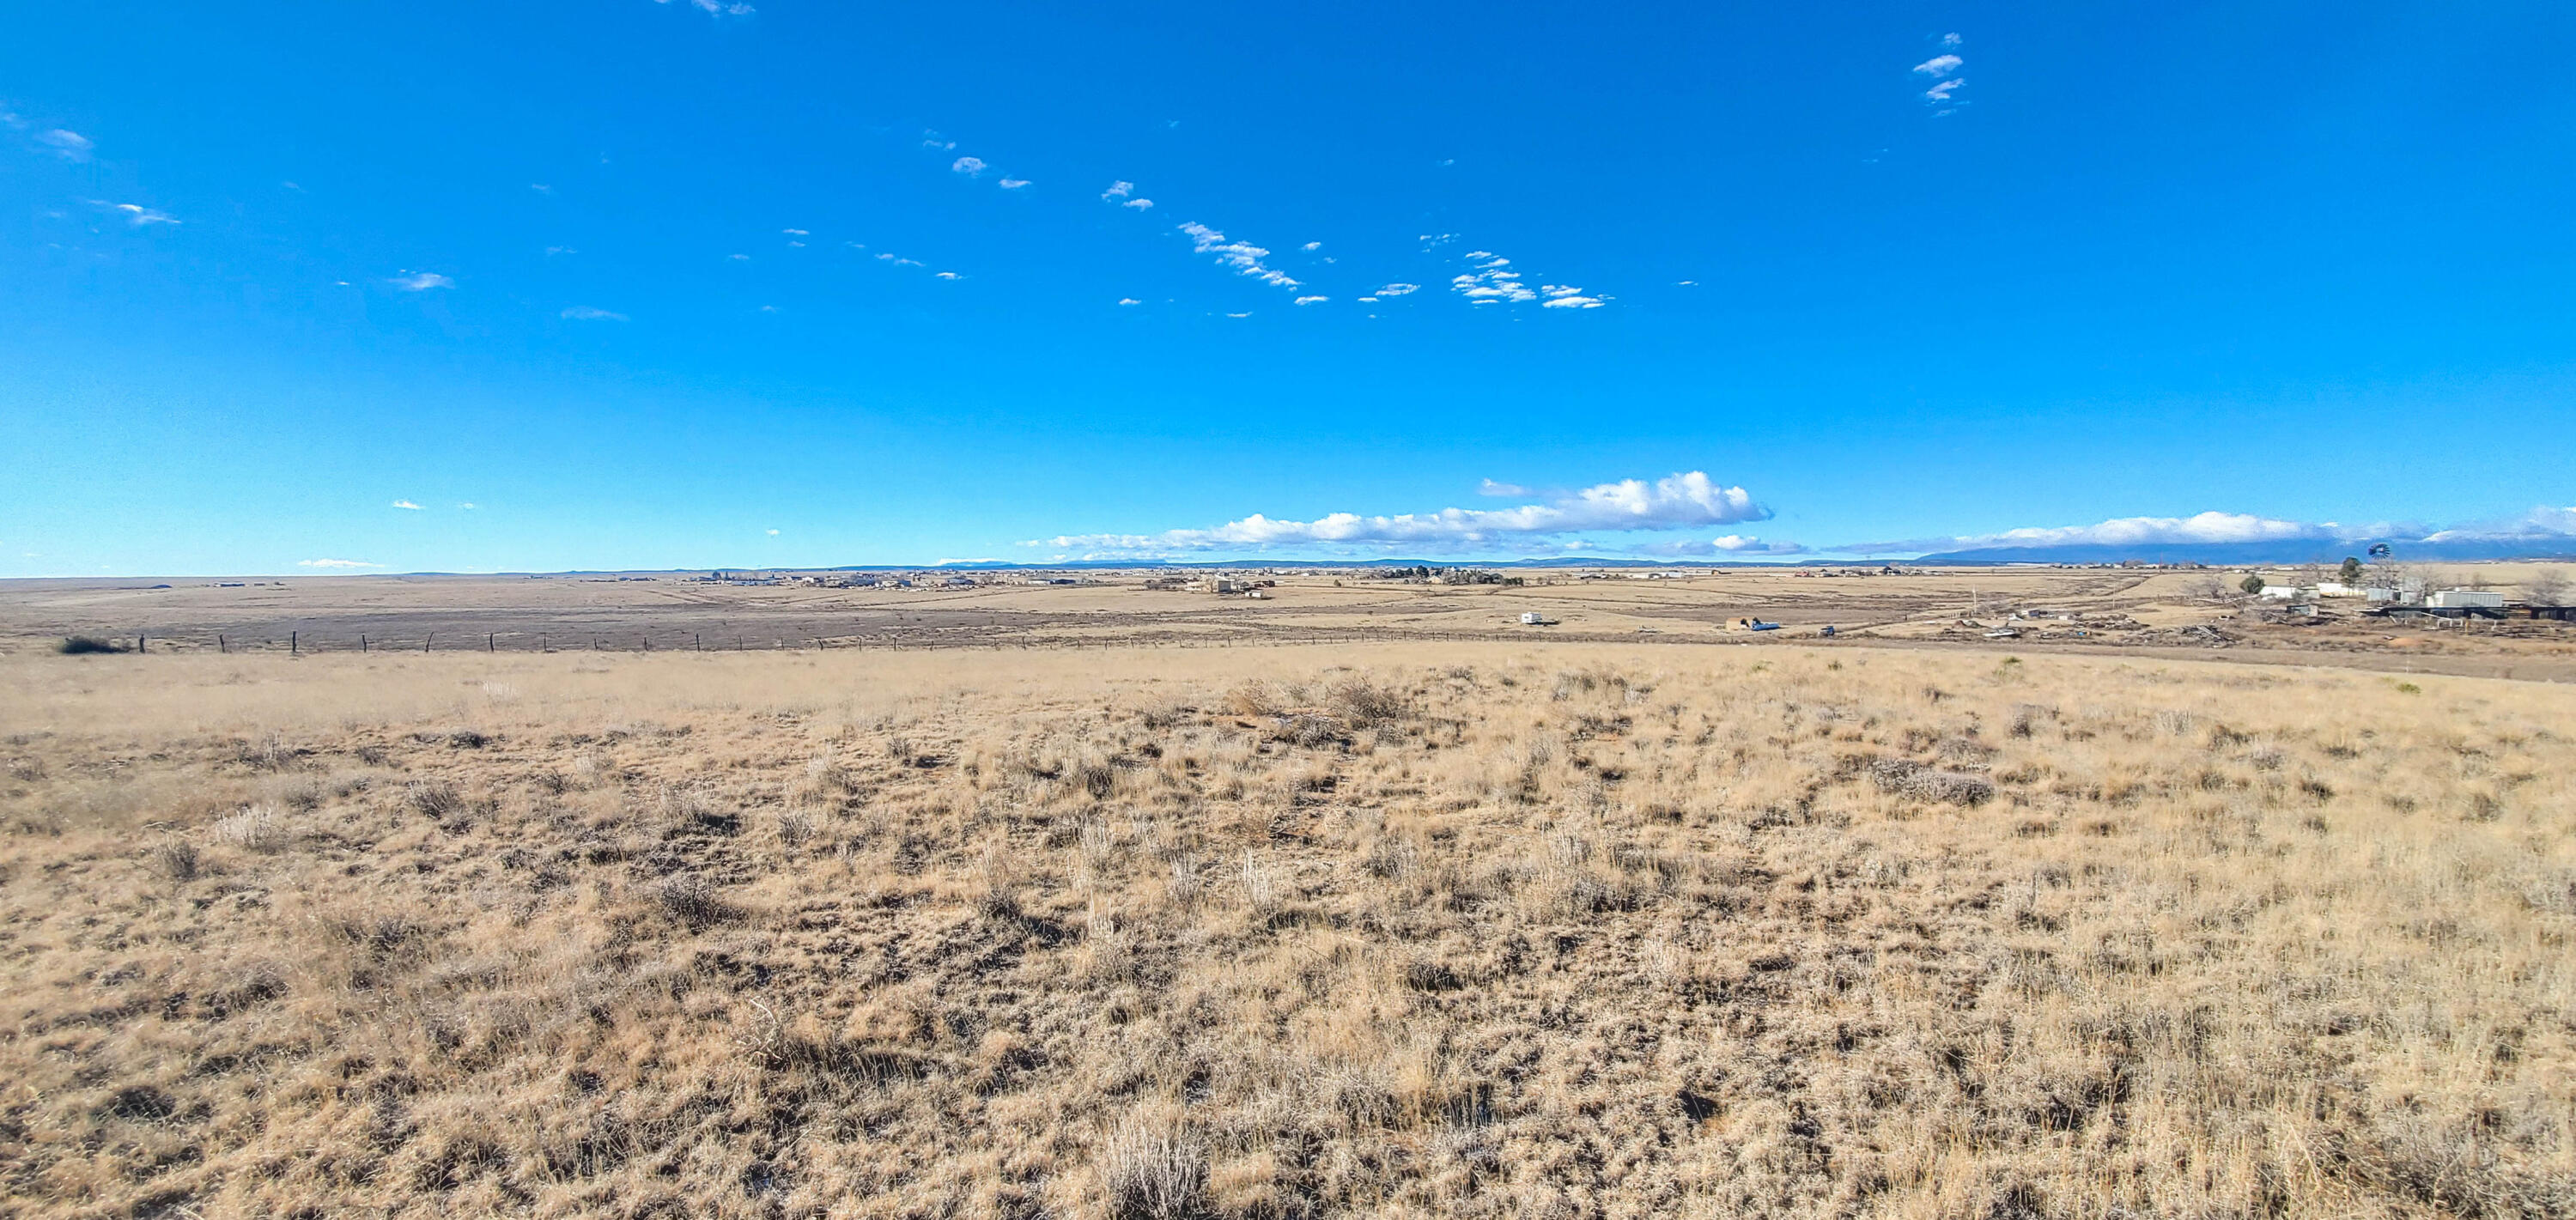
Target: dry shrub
1904,777
1147,1174
260,828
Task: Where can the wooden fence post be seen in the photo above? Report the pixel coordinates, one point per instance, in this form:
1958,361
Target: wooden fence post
292,648
424,641
219,643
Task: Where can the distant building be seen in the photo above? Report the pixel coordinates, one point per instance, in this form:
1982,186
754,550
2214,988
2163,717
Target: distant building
2464,599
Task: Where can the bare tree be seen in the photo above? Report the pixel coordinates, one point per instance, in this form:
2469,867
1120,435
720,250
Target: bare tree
2547,587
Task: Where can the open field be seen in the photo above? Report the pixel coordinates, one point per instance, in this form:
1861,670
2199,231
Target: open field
2143,612
1414,928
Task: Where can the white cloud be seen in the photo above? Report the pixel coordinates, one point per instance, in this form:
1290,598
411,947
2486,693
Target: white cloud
1492,280
718,8
551,251
1489,487
739,258
1312,300
1938,65
70,145
587,313
1129,301
1949,40
1245,314
948,275
1141,205
773,533
136,214
2144,531
970,166
1013,184
468,506
421,281
1244,257
1941,92
541,188
1397,290
406,504
1728,544
1311,247
901,262
2545,521
1119,190
1679,501
796,232
336,563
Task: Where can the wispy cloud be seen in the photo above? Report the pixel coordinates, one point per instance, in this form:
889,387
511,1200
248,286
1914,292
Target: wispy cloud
587,313
1244,257
336,563
406,504
1013,184
421,281
1489,487
796,232
1493,280
718,8
972,167
1942,68
1312,300
947,275
1397,290
1123,193
136,214
1311,247
1129,301
69,145
1679,501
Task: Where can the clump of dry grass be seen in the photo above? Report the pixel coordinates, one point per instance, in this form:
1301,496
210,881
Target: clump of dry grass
1456,931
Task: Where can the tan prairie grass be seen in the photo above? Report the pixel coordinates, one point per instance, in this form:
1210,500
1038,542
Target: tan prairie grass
1421,931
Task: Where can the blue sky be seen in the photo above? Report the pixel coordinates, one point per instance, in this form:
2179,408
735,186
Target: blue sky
648,285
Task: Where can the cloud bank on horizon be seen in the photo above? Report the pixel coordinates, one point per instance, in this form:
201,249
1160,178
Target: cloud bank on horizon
1557,522
1674,502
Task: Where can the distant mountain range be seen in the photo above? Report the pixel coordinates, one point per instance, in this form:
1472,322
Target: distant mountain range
2286,551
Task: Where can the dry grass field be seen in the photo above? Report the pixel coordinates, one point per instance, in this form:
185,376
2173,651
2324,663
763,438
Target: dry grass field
1425,930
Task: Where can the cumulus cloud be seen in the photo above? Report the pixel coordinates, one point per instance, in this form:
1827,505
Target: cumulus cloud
2208,527
1492,280
336,563
587,313
972,167
421,281
1397,290
1129,301
69,145
407,504
136,214
1119,190
2543,522
1678,501
1244,257
1949,40
1719,547
1938,65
